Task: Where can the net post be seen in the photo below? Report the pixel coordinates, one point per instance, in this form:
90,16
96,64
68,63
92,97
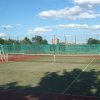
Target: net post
6,57
1,53
54,51
54,58
1,56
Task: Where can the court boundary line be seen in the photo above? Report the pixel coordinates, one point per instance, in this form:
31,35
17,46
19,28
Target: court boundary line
67,88
70,55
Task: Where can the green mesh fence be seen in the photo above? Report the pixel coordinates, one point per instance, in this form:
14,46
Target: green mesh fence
51,49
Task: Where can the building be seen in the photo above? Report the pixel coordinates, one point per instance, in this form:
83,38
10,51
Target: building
55,41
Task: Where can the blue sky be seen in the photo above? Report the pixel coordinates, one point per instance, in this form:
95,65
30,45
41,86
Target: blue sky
20,18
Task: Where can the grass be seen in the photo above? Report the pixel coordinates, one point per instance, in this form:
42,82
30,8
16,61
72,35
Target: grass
45,76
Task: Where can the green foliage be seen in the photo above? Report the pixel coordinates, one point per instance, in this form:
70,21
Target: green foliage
1,41
26,41
45,41
39,40
11,41
93,41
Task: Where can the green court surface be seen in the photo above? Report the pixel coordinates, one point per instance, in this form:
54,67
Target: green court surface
72,75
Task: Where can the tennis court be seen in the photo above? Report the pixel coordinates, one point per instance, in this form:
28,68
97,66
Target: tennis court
69,75
52,70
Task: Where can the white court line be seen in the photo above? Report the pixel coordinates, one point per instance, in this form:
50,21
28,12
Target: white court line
77,76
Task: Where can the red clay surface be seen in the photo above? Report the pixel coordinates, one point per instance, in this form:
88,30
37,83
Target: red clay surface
21,58
29,95
29,57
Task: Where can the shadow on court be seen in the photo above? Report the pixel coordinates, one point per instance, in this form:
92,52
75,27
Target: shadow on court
52,85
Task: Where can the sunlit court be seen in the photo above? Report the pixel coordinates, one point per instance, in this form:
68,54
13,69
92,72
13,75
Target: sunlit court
49,49
71,74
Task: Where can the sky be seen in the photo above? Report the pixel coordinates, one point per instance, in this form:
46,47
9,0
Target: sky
63,18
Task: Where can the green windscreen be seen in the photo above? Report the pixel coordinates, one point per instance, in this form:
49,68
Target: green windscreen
53,49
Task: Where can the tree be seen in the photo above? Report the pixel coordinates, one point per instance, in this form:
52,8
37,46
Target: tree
93,41
39,40
1,41
10,41
26,41
45,41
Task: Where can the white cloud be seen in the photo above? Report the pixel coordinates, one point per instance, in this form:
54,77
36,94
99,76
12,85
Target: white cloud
86,15
38,30
97,27
73,26
87,2
67,26
18,24
78,26
7,26
73,13
3,34
66,13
